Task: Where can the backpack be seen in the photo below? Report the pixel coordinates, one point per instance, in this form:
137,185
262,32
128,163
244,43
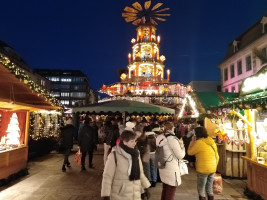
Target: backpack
159,155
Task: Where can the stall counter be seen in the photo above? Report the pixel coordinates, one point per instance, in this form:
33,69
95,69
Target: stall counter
257,177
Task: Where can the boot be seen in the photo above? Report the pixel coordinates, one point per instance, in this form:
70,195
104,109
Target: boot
202,198
210,197
63,168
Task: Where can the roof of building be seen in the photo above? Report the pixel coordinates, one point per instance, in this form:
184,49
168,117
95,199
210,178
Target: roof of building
60,72
250,35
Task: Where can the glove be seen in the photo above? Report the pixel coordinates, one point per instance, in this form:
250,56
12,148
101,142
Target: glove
105,198
147,193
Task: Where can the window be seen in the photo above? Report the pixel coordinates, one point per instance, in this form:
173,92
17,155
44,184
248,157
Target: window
65,94
65,86
78,79
55,86
56,94
53,79
233,89
232,68
42,82
239,67
248,63
226,74
264,52
65,102
66,79
78,94
226,90
78,87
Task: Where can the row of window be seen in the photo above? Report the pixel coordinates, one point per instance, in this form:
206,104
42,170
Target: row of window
68,86
65,79
72,103
72,94
239,68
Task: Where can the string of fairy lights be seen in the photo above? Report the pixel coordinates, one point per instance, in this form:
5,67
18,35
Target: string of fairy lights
26,80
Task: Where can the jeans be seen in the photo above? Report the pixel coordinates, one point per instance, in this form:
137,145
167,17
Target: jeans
90,157
150,169
66,156
205,184
168,192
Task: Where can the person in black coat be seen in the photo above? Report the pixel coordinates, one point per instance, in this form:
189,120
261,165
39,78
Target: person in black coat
87,142
67,134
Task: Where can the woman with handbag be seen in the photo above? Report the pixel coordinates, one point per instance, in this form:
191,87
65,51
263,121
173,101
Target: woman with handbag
207,158
174,150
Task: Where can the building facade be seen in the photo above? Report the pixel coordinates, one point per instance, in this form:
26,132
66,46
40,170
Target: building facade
246,55
71,87
205,86
15,57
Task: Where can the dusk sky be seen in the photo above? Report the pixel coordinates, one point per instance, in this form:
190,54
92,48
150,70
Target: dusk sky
91,36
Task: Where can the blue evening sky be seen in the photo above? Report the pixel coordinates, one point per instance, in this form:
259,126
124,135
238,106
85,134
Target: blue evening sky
93,37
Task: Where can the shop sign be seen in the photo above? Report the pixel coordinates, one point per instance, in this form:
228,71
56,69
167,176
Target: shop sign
254,84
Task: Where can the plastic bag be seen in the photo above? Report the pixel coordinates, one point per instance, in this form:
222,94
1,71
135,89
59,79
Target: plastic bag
183,167
217,184
78,157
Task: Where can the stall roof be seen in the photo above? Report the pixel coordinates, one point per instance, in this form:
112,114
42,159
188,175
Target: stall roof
16,95
211,99
121,106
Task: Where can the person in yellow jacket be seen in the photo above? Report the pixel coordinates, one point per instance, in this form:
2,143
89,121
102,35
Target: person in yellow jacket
207,158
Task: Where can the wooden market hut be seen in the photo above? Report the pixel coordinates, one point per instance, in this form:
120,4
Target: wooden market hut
19,96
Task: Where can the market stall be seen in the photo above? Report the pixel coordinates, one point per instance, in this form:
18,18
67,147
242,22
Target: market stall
19,96
241,125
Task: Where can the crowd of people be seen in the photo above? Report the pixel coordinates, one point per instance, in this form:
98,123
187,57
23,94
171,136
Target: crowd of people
129,156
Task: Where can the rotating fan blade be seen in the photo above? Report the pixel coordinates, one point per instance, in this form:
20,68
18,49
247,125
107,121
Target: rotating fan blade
130,19
153,21
156,6
136,22
137,6
164,9
128,14
147,4
162,15
129,9
160,19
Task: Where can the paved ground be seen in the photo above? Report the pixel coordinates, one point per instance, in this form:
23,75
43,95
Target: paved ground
46,181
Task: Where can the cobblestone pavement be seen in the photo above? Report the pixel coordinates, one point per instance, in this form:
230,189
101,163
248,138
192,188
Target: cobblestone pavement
46,181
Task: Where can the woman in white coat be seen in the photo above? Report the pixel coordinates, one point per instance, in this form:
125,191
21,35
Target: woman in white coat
173,151
123,177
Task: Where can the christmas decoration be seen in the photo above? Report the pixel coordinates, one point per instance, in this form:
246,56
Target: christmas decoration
13,130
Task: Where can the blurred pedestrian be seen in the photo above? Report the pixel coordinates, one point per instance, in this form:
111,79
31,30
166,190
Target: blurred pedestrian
67,134
123,175
87,143
207,158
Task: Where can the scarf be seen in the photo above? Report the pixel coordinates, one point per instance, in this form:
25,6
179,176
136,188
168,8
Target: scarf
135,171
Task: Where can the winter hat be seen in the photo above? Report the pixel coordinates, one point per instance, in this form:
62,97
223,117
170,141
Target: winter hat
157,129
129,126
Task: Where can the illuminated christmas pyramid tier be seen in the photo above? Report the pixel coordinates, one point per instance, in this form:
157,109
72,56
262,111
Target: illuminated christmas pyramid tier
146,69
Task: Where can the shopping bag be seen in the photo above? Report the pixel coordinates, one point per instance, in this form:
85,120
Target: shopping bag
78,157
183,167
217,184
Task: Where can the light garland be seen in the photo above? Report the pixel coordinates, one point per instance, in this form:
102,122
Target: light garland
192,104
26,80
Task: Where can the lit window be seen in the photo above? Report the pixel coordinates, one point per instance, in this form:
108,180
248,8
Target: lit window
233,89
66,79
65,102
65,94
56,94
53,79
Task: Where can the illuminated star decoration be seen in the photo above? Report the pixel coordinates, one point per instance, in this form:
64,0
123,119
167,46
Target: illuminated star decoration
138,14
